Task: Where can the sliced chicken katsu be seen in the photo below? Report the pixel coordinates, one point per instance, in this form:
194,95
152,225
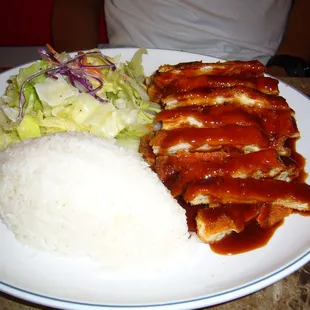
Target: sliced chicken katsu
213,224
176,175
167,165
245,69
246,139
225,190
235,67
146,150
223,145
270,215
240,96
278,122
265,85
168,168
209,117
271,121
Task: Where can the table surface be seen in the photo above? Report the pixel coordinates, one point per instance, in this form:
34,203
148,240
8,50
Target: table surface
293,292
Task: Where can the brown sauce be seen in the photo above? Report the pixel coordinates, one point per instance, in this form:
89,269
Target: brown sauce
297,158
263,84
228,135
191,213
251,238
303,213
239,214
221,190
211,117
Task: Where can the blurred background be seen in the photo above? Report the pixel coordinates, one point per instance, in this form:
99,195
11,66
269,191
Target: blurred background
26,26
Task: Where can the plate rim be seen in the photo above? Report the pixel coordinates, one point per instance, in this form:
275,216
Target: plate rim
245,289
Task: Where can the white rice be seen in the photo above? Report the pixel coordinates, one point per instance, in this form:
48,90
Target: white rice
82,196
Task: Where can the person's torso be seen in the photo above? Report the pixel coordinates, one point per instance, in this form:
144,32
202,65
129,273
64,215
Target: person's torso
228,29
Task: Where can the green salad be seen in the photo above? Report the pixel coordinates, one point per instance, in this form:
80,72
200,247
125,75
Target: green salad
89,92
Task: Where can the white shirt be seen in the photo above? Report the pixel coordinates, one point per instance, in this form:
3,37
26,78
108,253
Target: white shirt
228,29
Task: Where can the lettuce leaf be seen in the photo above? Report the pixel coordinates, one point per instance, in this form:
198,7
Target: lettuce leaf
123,112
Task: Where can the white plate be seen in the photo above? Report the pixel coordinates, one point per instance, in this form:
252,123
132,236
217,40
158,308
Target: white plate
205,279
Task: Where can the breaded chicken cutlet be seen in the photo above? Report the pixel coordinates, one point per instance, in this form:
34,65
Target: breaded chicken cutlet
220,145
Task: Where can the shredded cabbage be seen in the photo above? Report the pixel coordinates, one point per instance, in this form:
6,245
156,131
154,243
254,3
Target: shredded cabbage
88,92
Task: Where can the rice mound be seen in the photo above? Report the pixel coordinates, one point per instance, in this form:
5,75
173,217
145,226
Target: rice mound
78,195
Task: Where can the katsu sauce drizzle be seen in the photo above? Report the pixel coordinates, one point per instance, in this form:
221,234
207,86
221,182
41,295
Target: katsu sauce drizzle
252,237
297,158
209,113
301,162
